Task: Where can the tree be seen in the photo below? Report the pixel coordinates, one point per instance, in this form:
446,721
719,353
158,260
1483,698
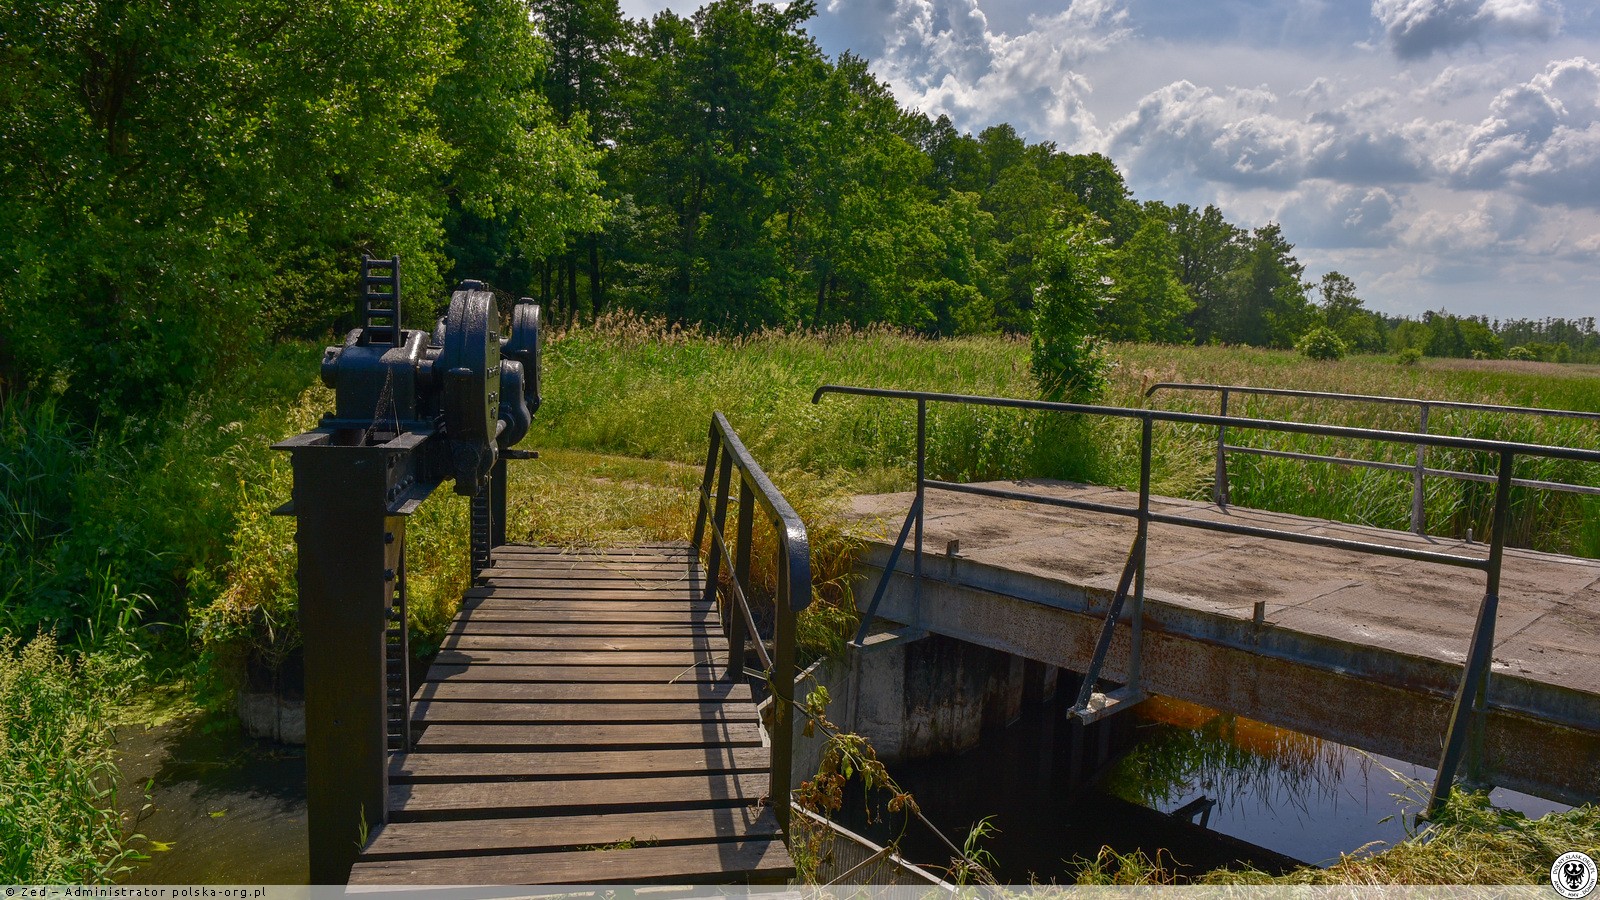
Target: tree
1343,312
1148,302
1209,249
1074,284
1269,302
171,174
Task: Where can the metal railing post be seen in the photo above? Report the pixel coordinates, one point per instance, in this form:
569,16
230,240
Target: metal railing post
741,574
781,683
1219,489
719,521
793,592
1418,513
697,541
1472,695
922,478
1136,614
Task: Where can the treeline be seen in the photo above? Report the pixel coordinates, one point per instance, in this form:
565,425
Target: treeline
754,181
1445,335
180,184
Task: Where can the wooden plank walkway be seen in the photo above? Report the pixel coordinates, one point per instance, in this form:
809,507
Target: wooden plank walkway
575,729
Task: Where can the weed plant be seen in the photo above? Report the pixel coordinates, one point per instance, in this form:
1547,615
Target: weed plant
58,818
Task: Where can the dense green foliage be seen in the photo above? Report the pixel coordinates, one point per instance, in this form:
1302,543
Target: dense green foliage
179,182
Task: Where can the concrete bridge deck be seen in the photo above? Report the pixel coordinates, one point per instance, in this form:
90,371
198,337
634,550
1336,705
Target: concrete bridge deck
1362,649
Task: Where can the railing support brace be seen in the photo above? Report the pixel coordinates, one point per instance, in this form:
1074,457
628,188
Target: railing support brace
1465,737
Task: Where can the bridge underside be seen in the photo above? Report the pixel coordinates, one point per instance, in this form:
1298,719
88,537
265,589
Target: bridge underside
1356,648
576,728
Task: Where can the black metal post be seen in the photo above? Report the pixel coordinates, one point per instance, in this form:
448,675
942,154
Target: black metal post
719,521
1136,637
1418,512
741,574
1219,490
497,504
781,683
705,490
397,664
922,478
349,558
1472,696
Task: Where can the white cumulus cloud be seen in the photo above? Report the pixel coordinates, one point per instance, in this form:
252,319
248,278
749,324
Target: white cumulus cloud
1418,28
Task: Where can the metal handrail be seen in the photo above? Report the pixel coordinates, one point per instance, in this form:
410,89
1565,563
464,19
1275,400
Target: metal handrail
725,453
1465,734
1419,470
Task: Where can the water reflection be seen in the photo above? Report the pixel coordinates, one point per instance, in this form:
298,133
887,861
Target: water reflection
1298,795
1270,799
226,808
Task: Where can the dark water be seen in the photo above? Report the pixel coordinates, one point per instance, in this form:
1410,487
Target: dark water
232,810
1276,798
226,808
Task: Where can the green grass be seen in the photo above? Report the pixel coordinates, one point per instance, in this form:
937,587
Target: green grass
630,388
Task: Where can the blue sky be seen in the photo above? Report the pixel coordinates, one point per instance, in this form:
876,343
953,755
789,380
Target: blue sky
1443,153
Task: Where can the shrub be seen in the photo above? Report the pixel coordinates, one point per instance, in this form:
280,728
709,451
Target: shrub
1409,356
1067,361
1522,353
1321,343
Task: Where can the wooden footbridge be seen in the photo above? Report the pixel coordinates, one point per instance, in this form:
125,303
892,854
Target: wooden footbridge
578,727
591,717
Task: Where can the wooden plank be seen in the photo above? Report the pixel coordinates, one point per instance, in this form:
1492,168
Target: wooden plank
759,859
642,546
679,555
585,629
714,692
500,598
437,712
501,799
469,738
589,615
598,565
700,672
667,658
471,640
599,569
535,589
668,574
412,840
574,765
495,578
685,610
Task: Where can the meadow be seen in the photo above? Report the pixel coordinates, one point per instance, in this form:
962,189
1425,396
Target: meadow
155,542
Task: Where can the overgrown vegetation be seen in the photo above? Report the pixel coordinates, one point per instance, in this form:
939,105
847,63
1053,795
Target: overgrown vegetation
58,818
